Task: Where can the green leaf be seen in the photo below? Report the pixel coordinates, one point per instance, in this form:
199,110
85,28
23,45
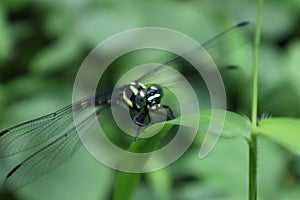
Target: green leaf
127,182
125,185
56,55
284,131
234,126
161,183
5,38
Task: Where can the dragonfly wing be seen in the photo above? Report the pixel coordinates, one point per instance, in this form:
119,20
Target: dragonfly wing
37,131
32,133
50,156
211,46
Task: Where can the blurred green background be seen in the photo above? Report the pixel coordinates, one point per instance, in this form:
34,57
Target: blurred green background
43,43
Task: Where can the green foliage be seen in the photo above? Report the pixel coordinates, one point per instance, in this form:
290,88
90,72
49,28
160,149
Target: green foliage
284,131
235,126
43,43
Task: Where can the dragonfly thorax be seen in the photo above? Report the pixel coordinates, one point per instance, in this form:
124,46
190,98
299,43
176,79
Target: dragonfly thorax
137,96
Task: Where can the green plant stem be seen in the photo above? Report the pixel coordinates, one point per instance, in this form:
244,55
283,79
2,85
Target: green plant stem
253,142
255,64
252,168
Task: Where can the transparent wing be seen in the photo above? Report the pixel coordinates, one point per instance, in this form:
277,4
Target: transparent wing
50,156
211,46
34,132
37,131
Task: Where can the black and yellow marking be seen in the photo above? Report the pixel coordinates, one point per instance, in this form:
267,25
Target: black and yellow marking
131,92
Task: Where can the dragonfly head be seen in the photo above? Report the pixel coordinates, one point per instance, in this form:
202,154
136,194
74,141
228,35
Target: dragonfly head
154,94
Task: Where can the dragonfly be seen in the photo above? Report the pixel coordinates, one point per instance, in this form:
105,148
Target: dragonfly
57,133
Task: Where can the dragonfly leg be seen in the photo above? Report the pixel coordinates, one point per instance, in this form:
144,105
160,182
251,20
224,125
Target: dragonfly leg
139,118
167,113
171,113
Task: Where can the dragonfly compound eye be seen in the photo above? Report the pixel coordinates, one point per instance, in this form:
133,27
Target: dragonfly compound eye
154,94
